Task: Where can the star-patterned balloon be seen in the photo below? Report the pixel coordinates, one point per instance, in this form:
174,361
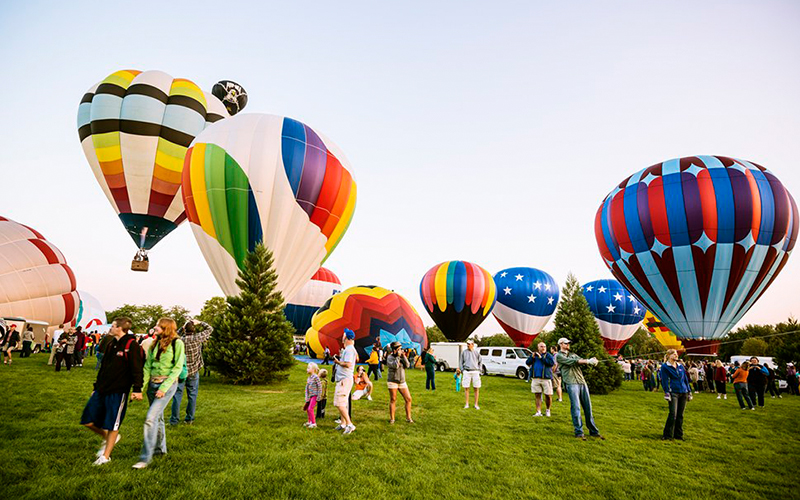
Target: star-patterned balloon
526,299
698,239
616,311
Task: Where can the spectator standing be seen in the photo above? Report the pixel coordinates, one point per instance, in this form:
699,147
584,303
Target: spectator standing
756,382
720,379
396,364
54,342
740,386
101,349
677,392
122,371
429,360
576,388
772,383
792,380
326,359
195,334
10,343
313,392
27,342
80,345
557,374
374,363
322,401
541,367
344,380
470,366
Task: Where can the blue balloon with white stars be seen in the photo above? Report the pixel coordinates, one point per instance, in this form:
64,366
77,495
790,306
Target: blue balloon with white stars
612,303
526,298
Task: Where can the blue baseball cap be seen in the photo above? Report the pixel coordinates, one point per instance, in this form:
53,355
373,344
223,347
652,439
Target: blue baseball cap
350,334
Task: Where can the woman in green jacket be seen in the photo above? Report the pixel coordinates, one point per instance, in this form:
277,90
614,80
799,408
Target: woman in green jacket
429,360
164,361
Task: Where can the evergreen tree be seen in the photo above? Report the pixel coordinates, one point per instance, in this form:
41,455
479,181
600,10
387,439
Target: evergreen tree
253,342
574,320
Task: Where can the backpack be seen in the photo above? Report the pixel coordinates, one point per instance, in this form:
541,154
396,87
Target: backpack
185,370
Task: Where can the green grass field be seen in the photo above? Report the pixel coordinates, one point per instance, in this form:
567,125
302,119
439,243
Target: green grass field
248,442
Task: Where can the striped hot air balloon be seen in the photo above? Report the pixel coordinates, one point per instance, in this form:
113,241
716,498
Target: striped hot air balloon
35,281
526,299
90,312
300,308
256,178
661,332
458,295
616,311
135,128
698,240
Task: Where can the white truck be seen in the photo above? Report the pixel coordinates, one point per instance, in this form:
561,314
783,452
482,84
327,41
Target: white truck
447,354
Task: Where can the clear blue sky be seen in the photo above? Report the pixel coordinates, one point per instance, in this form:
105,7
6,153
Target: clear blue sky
484,131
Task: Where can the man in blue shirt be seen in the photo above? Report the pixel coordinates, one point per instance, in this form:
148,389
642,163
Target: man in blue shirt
541,363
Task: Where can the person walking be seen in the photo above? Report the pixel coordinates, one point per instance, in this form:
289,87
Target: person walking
720,379
577,390
740,386
429,360
541,368
396,364
27,342
326,360
195,334
10,343
312,394
122,371
162,367
677,391
557,375
756,382
344,380
470,366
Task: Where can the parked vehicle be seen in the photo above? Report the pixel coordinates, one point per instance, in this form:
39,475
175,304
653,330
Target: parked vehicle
447,354
505,361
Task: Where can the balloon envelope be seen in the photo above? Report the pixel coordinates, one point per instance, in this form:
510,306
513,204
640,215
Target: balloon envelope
660,331
135,128
90,312
616,311
232,95
299,310
698,239
257,178
371,312
35,281
458,295
526,299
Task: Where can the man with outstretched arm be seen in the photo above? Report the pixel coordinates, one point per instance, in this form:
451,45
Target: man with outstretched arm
576,388
122,368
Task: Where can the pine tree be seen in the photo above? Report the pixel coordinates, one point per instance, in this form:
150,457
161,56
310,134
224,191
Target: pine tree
253,342
574,320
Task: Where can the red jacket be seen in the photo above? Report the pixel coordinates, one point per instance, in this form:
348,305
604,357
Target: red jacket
720,374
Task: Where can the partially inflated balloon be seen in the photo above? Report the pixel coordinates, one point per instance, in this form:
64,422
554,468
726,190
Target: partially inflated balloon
526,298
371,312
458,295
300,308
231,94
135,128
90,312
35,281
261,178
616,311
661,332
698,239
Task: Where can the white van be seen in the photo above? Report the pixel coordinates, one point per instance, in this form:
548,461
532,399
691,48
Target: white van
505,361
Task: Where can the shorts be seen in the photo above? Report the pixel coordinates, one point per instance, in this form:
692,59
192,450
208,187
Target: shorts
105,411
343,388
395,385
358,394
472,378
541,385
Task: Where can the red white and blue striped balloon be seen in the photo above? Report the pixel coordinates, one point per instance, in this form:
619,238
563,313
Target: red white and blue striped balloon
698,240
617,312
526,299
302,306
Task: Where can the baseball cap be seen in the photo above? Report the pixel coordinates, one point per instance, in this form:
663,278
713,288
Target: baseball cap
350,334
470,341
564,340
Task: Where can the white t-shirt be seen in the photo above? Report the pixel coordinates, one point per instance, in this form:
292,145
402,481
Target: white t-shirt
56,335
349,355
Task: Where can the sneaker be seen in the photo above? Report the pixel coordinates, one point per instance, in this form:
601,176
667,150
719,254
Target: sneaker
312,426
726,397
753,409
339,427
547,413
602,438
140,465
477,407
101,460
719,397
581,437
337,421
306,424
559,400
537,414
773,397
466,406
369,398
102,449
349,429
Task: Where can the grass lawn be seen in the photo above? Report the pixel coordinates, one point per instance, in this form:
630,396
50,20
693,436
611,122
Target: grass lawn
248,442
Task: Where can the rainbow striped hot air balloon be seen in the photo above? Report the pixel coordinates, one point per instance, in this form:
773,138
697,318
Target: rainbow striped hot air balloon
458,295
135,128
698,240
371,312
256,178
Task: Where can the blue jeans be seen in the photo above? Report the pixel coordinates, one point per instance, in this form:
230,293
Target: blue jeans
579,397
155,435
191,384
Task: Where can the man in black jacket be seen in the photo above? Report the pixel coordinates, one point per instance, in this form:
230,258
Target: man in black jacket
122,368
756,382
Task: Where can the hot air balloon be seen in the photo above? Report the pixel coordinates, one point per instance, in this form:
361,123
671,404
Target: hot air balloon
232,95
371,312
698,240
135,128
616,311
661,332
35,281
261,178
299,310
458,295
90,311
526,298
